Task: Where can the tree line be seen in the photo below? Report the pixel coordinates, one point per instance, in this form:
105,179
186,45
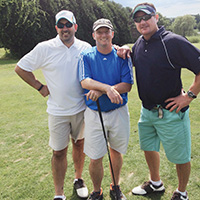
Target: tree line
24,23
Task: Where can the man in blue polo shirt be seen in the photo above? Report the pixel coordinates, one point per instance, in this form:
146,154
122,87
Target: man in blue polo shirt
106,77
158,56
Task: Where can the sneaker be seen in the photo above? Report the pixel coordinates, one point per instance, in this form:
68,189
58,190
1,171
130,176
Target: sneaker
113,195
96,195
178,196
59,198
80,188
148,188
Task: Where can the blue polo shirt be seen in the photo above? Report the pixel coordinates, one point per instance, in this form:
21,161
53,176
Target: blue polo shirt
105,68
158,64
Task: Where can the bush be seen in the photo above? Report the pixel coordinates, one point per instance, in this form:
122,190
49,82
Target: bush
194,39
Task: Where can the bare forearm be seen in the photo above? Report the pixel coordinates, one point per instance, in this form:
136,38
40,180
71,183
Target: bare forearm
91,84
123,87
28,77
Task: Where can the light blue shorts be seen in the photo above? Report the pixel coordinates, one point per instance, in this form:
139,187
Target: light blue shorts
173,130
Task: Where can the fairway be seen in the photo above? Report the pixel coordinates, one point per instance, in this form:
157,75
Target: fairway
25,157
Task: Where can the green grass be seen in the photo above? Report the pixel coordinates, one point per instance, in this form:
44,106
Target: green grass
25,157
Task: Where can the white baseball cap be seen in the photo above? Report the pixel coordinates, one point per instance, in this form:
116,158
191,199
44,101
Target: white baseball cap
65,14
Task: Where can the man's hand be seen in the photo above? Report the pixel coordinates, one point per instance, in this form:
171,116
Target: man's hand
178,102
114,95
93,95
123,52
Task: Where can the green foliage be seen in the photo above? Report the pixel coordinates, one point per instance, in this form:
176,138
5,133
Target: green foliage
24,23
198,26
164,21
184,25
194,39
20,25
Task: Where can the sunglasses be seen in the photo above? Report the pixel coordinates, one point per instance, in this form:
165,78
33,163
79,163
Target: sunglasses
68,25
144,17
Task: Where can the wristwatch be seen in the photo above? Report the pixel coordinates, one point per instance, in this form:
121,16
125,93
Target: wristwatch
191,95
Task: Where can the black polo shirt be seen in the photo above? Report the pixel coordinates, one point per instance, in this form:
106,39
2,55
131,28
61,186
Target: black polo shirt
158,64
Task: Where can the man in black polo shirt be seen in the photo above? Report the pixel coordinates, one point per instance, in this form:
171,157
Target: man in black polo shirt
158,56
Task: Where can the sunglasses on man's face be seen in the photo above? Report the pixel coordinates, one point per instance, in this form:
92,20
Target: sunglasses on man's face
68,25
144,17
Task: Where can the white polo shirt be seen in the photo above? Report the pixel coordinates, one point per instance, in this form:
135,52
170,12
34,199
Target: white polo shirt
59,67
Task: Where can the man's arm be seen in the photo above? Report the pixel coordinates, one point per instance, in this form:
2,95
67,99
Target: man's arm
111,91
29,78
183,99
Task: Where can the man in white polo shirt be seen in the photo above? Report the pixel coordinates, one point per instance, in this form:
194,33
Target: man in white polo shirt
58,60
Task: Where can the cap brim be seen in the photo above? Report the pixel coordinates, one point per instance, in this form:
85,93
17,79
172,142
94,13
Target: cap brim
64,18
100,26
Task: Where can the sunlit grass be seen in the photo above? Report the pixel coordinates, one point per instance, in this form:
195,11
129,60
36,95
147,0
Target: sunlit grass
25,158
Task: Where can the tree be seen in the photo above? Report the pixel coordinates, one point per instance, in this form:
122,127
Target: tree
164,21
24,23
184,25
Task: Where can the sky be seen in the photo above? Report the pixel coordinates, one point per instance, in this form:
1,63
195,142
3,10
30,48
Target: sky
168,8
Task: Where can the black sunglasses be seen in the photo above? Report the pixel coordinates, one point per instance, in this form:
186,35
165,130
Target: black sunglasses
144,17
68,25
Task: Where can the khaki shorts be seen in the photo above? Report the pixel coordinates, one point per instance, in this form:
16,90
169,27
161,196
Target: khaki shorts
117,129
61,127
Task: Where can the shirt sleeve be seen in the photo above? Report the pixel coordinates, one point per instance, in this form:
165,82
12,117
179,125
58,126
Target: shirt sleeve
127,71
84,68
185,55
32,60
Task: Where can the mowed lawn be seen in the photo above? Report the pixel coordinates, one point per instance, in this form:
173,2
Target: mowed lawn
25,157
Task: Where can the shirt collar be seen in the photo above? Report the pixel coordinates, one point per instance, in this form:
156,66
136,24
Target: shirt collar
157,34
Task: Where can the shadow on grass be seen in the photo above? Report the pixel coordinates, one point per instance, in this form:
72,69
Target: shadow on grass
154,196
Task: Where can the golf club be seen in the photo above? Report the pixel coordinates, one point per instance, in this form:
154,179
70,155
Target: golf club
104,133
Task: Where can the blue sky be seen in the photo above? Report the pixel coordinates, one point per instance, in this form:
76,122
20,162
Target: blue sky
168,8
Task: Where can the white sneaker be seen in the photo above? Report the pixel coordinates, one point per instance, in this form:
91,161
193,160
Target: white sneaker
80,188
148,188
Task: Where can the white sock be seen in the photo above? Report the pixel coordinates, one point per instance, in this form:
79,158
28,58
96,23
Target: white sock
182,193
60,196
156,183
75,180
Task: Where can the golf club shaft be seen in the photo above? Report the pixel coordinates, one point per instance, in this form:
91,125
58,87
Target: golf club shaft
101,119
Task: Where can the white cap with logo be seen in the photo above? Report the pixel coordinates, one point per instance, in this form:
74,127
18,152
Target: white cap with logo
65,14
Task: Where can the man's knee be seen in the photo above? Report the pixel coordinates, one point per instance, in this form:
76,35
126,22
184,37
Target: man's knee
60,154
78,143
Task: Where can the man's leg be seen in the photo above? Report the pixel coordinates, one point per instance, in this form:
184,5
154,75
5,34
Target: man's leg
78,157
183,172
59,167
153,161
117,161
96,173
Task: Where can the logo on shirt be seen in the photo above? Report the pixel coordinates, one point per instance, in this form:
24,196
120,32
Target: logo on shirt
104,58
